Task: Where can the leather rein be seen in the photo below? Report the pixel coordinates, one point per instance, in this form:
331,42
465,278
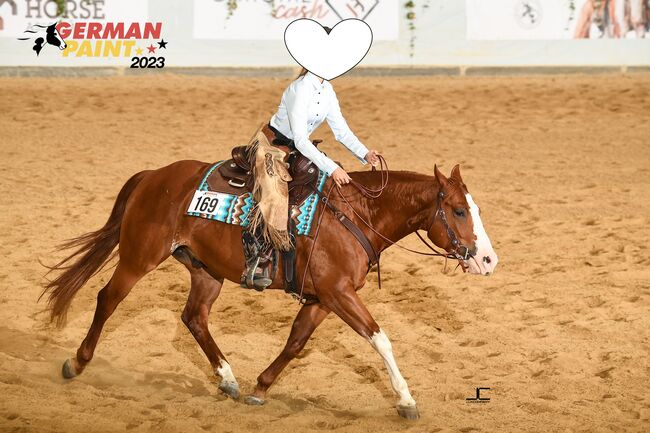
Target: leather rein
460,252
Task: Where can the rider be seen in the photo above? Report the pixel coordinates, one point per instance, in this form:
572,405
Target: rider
306,103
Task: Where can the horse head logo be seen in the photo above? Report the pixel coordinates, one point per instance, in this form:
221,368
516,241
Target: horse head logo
52,37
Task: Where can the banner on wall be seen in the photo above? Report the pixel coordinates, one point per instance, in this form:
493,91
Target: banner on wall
16,16
97,32
557,19
267,19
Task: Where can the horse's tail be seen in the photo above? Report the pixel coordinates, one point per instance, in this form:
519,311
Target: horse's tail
93,253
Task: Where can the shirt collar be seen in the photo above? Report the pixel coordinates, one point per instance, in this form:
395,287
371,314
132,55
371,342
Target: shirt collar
313,79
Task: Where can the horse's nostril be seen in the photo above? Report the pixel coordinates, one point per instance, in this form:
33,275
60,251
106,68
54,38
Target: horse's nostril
487,260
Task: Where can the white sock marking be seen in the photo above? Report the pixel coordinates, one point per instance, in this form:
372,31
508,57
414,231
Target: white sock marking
381,344
225,372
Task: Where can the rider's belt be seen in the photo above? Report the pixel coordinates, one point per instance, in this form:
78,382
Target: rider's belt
277,138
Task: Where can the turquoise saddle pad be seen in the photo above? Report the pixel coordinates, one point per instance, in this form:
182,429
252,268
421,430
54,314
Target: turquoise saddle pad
236,209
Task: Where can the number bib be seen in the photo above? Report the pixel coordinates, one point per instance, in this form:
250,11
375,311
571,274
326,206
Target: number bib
206,202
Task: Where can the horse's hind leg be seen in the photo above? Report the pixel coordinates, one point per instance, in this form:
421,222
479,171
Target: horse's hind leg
307,320
108,298
203,293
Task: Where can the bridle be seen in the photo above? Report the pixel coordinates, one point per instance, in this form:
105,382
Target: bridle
459,252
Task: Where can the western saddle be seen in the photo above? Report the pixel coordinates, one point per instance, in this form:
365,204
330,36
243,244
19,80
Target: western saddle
235,176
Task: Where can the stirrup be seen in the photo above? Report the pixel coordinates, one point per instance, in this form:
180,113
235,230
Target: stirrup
250,271
250,279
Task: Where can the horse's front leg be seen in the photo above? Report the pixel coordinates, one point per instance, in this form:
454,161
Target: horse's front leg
348,306
307,320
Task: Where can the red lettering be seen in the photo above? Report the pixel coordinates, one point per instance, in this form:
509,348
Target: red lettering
113,31
79,29
109,30
93,31
152,31
352,10
315,11
64,30
279,11
133,32
318,11
294,12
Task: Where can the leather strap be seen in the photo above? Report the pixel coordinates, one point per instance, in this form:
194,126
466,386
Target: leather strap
361,237
373,256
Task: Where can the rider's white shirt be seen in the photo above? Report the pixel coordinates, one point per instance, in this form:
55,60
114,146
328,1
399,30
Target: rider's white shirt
305,104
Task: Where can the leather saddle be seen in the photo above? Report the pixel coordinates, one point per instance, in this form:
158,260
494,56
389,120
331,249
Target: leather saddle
235,176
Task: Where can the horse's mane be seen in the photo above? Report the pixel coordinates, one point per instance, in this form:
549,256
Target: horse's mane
403,175
408,183
405,184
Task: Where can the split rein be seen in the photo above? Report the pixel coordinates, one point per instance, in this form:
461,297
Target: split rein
374,194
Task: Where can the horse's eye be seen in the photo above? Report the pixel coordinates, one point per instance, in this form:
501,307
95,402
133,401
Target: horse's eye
460,213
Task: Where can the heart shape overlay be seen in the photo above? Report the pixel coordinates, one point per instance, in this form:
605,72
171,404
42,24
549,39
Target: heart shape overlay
328,56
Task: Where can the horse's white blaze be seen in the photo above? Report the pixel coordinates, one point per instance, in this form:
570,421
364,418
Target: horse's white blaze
62,44
225,372
485,259
381,344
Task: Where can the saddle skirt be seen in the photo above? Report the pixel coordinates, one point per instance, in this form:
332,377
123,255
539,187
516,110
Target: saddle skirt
225,193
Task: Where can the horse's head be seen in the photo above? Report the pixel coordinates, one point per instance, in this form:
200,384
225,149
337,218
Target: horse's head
54,38
457,225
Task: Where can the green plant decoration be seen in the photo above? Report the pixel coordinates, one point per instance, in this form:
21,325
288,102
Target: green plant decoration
411,18
232,6
60,7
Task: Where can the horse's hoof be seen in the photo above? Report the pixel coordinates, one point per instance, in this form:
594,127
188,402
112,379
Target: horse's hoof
231,389
408,412
254,401
68,371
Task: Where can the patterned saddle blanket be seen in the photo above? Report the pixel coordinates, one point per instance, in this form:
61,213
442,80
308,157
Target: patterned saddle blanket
230,205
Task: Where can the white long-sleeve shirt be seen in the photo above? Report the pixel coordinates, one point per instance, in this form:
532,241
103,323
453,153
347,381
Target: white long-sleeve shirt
305,104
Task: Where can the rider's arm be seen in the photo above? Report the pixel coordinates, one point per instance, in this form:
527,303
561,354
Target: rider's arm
297,109
342,131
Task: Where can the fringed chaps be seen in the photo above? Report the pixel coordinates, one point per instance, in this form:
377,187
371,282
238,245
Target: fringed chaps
270,192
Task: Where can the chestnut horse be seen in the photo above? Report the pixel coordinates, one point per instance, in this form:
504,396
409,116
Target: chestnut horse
149,223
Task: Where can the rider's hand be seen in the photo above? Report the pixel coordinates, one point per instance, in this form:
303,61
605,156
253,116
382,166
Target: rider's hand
340,177
372,157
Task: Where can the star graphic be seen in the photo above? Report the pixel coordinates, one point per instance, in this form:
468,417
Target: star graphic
151,48
138,51
162,44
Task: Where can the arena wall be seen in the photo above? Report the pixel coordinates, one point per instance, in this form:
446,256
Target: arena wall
440,39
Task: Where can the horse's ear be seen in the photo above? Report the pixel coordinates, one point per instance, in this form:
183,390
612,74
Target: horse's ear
442,180
455,173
